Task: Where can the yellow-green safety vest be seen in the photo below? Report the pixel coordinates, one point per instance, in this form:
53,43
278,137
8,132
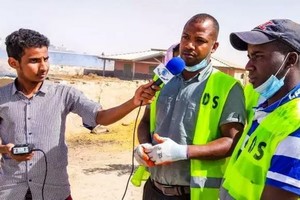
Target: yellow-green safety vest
206,176
251,100
248,168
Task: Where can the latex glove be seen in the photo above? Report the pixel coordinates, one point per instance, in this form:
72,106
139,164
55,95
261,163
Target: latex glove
140,154
167,151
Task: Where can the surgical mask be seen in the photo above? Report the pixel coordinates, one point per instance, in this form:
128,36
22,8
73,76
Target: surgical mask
272,84
198,66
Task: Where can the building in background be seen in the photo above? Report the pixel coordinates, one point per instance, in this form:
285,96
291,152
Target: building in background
128,66
137,65
140,65
70,63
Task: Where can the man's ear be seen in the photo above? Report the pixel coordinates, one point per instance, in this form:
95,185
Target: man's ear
13,62
215,46
293,59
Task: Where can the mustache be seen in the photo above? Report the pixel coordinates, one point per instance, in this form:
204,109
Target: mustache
192,53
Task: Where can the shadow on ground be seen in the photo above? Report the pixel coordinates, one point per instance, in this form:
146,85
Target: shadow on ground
120,168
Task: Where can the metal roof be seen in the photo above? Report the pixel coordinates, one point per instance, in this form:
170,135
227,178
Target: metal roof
135,56
153,53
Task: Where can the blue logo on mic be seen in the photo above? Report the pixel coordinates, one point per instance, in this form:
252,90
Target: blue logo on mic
162,73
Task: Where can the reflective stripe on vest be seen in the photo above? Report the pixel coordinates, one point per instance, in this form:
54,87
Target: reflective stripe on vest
206,176
251,167
198,182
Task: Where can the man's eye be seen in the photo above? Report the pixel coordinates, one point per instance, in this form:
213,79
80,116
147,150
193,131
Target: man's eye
200,41
255,57
185,37
33,60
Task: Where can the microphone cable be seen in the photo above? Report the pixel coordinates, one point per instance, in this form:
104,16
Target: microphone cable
132,156
46,171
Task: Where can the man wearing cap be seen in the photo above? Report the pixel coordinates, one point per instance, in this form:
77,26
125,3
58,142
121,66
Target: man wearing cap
266,162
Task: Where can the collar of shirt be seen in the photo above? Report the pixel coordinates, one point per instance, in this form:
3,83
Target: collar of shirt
203,75
294,93
43,89
261,112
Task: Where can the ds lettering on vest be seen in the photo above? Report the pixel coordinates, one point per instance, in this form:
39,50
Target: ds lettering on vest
213,100
258,148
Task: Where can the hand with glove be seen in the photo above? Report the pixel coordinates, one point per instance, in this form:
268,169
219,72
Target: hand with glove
140,154
166,151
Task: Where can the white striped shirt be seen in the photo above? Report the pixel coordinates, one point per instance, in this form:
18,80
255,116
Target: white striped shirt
40,120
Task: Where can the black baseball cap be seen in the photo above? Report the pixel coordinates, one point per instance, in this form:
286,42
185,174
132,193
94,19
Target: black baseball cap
284,30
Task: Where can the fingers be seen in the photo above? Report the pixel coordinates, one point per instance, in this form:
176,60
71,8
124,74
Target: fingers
146,93
148,85
141,156
24,157
156,155
8,147
158,139
166,151
147,148
150,163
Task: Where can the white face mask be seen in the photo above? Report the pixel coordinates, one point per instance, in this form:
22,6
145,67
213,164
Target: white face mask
198,66
272,84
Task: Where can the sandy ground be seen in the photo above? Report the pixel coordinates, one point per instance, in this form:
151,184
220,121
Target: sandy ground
100,164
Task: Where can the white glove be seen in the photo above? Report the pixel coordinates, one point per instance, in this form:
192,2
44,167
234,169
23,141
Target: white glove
140,154
167,151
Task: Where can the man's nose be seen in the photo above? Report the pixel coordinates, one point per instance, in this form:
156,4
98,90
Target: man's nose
44,65
190,45
249,65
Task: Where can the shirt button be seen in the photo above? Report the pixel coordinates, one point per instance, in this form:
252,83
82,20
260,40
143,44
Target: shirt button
30,164
28,118
29,133
30,180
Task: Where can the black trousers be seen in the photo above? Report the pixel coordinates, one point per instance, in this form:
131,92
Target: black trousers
152,193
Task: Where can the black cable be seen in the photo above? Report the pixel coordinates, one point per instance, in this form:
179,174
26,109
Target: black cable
46,171
132,157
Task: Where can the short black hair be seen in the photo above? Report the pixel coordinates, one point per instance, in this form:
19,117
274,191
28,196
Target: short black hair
203,17
19,40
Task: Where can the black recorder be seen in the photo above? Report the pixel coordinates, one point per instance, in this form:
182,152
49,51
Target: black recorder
20,149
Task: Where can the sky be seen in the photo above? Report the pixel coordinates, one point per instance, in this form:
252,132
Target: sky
123,26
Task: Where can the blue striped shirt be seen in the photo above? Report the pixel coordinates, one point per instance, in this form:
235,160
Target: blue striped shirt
284,171
40,120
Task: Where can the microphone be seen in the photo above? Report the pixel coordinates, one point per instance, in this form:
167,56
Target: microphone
165,73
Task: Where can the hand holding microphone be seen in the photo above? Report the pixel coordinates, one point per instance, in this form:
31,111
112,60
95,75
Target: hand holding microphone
145,94
164,74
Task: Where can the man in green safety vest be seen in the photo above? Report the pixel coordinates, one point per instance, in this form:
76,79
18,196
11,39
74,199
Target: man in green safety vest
266,161
188,132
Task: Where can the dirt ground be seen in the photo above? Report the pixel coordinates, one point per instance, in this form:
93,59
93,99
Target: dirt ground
100,164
